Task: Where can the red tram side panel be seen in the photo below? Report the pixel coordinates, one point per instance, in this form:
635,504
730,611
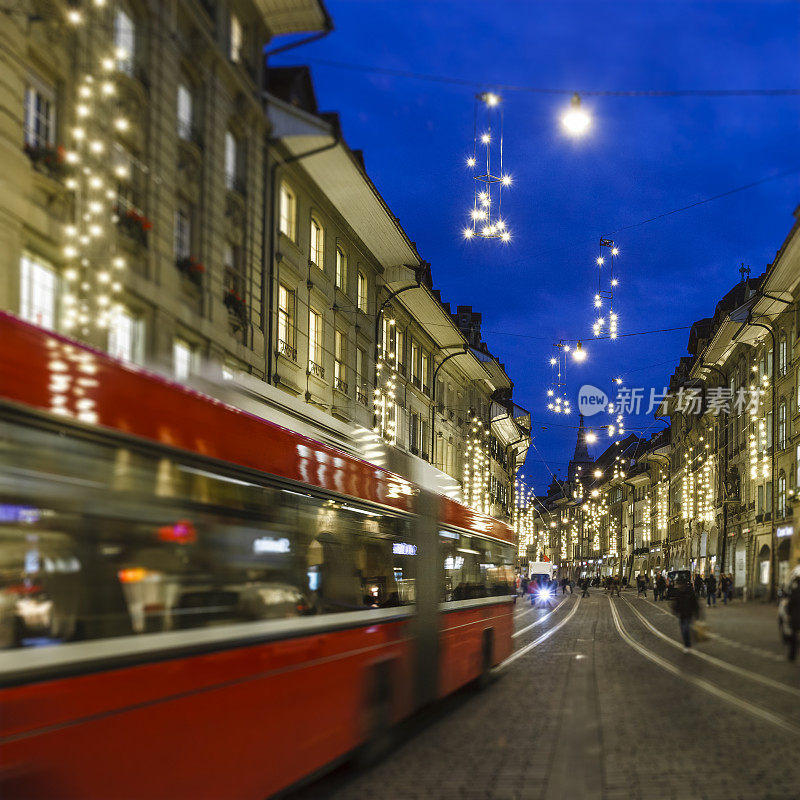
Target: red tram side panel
241,723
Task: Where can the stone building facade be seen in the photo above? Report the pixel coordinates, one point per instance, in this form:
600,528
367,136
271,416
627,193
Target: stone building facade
172,198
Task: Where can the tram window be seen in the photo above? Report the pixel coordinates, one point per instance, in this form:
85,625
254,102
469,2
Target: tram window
473,566
98,540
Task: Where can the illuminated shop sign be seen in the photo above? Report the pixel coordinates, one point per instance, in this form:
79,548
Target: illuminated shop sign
784,531
268,545
14,513
404,549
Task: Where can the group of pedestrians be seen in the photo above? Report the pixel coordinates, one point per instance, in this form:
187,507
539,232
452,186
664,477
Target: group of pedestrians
709,588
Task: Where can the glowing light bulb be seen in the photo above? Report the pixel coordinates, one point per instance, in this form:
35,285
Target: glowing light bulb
505,236
614,282
506,180
485,138
470,162
491,99
579,354
614,251
121,124
553,361
468,233
575,120
600,260
82,110
74,17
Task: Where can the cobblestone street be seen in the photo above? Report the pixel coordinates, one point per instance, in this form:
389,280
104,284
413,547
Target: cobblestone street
599,701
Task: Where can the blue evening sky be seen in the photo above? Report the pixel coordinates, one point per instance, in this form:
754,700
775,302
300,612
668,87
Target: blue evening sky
644,156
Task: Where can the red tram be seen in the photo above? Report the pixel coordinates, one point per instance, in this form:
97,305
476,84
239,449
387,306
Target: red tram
197,603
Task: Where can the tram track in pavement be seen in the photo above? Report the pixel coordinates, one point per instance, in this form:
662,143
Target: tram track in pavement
539,621
691,669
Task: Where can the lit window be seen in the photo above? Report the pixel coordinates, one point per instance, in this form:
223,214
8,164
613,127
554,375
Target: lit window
288,206
781,498
362,292
361,360
230,160
237,39
183,234
38,291
315,342
782,362
124,41
424,371
229,371
782,425
317,244
285,320
340,359
184,111
341,269
124,336
40,117
182,359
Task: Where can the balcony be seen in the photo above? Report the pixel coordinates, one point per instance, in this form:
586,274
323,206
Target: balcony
340,385
361,395
317,370
285,349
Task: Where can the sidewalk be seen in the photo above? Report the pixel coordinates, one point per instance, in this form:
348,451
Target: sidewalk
753,624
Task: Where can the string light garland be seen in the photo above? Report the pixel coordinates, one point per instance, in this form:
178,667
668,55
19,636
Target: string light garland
605,326
486,221
557,399
92,277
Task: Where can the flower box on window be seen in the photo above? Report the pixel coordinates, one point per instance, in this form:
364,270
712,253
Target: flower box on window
191,268
235,304
134,224
46,159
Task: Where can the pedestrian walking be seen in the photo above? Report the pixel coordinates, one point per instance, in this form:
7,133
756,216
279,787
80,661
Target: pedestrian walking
564,583
661,586
615,586
584,587
711,590
698,584
725,584
641,587
524,585
791,591
686,609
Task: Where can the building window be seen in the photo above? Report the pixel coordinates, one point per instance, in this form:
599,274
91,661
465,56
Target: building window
781,510
401,353
415,364
237,39
362,293
797,456
124,41
286,305
317,244
769,429
40,117
288,205
413,433
761,499
231,171
182,359
361,384
340,361
38,291
185,114
315,343
423,372
125,336
183,233
782,361
341,269
782,425
770,359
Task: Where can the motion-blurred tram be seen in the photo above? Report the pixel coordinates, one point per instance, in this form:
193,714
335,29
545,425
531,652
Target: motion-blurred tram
195,602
